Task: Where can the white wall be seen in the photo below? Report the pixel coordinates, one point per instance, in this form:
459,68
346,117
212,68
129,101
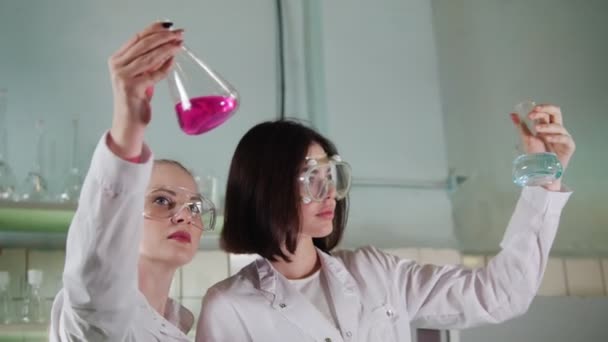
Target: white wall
383,109
494,54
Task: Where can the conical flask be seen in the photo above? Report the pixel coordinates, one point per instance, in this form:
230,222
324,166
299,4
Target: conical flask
74,178
34,186
534,169
203,100
8,182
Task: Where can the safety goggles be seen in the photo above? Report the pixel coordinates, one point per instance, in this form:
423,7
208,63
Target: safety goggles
322,174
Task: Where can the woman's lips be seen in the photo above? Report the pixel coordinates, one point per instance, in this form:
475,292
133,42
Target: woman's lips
181,236
326,214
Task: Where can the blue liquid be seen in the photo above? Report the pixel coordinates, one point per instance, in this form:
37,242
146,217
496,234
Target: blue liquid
536,169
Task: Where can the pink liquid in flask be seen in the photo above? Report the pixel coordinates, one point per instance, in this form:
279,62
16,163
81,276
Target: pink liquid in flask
205,113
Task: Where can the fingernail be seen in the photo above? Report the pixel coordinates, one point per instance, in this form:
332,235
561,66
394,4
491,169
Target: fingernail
515,118
150,91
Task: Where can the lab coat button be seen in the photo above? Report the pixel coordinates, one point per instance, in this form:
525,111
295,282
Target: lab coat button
349,334
327,339
282,305
389,313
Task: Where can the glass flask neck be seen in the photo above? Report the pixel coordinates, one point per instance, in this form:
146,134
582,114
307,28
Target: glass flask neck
3,126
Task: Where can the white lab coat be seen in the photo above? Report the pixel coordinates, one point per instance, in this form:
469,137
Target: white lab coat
376,296
100,299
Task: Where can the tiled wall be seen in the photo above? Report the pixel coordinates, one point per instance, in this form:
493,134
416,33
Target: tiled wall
189,284
564,276
580,277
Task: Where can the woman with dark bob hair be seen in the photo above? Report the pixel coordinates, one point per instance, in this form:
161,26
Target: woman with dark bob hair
287,202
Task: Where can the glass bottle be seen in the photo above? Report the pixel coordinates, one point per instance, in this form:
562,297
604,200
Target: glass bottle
33,303
5,299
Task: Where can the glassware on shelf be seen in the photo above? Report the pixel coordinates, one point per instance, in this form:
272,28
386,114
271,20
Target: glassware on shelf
72,183
33,303
208,186
5,299
34,186
534,169
203,99
8,182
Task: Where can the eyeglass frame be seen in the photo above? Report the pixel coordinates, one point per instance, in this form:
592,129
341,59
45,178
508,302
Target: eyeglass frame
212,209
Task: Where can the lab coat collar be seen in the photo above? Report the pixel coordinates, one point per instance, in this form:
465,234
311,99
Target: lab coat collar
332,267
344,298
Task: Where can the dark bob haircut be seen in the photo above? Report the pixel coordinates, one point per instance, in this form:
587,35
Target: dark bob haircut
263,199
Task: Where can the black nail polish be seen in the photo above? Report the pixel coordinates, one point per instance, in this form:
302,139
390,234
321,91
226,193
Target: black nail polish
167,24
